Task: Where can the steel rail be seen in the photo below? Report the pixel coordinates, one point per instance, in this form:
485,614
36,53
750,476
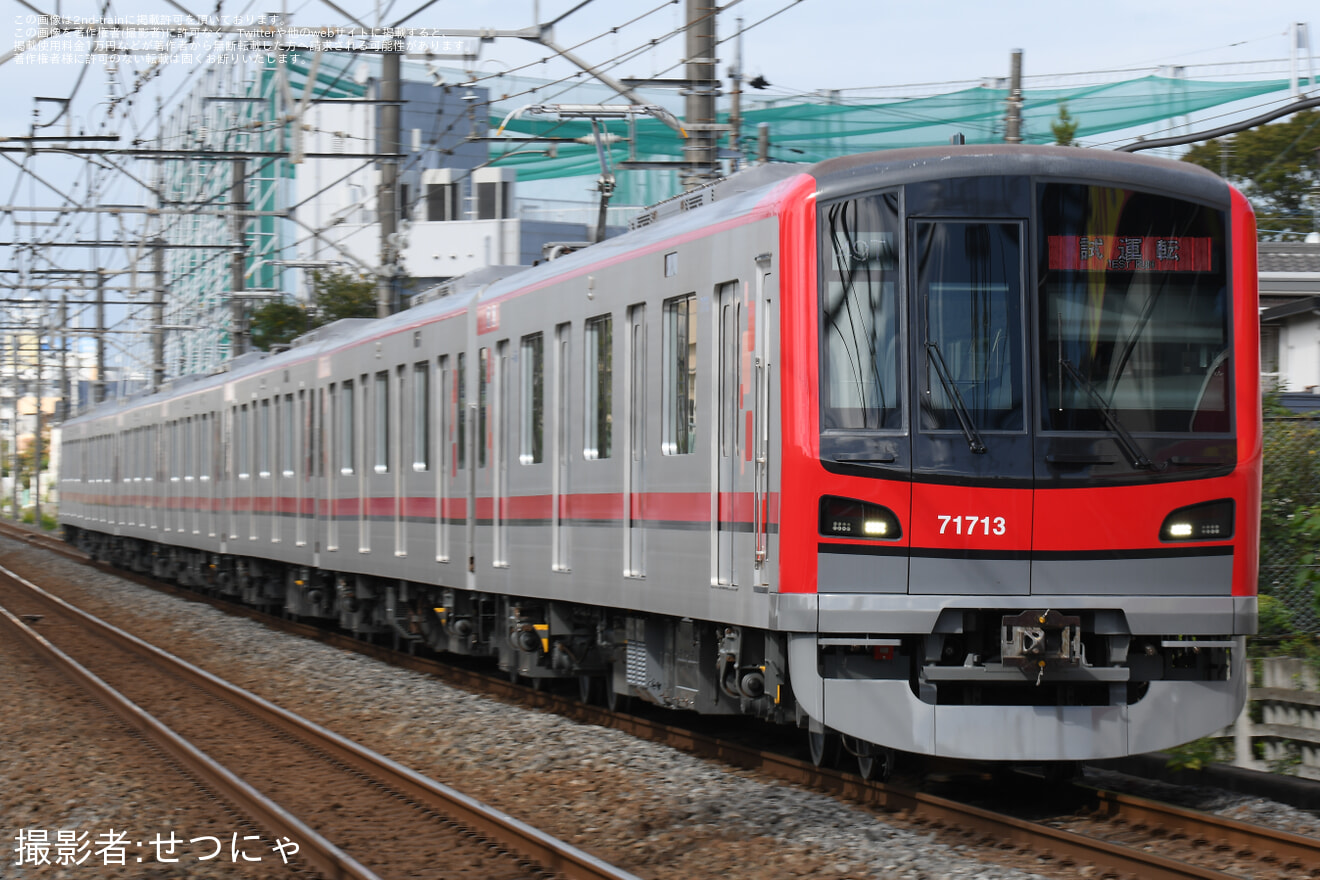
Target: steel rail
1293,851
994,829
536,846
331,861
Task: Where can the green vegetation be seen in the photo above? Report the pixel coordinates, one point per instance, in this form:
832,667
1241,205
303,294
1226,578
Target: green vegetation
335,295
1198,754
1275,167
1064,128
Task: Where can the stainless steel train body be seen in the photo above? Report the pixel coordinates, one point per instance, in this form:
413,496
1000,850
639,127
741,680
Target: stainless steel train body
869,448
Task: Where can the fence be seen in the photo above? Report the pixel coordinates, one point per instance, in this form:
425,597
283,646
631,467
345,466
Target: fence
1291,493
1282,717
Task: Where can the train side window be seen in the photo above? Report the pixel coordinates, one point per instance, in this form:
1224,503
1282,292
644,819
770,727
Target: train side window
532,434
421,406
243,446
679,376
176,451
276,436
599,407
263,440
287,459
189,449
382,423
322,453
346,445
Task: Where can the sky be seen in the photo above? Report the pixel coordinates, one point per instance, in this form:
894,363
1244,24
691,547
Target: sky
864,48
800,46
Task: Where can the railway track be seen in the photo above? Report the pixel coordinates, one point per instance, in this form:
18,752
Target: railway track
350,812
1117,834
1237,848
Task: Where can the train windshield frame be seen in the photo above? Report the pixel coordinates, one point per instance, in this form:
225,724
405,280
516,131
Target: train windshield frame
1128,319
863,315
1134,312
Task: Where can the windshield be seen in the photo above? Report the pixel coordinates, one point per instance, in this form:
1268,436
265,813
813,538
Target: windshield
1133,312
860,321
969,294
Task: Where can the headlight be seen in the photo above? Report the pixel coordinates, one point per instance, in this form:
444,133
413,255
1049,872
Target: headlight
846,518
1211,521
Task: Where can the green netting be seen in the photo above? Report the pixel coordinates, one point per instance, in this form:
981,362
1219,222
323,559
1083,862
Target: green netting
799,132
810,132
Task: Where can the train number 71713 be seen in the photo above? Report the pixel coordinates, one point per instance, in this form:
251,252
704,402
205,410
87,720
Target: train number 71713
967,525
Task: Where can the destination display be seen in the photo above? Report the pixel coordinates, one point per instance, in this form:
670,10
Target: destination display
1129,253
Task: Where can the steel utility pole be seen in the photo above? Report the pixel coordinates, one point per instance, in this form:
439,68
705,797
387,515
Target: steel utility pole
36,433
98,396
62,414
238,259
387,209
158,315
735,100
1013,122
14,459
702,87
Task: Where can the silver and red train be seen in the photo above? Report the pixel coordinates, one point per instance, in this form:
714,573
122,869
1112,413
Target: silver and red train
954,451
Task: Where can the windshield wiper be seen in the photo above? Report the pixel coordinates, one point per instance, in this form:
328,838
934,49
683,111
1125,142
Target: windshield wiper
1137,457
974,441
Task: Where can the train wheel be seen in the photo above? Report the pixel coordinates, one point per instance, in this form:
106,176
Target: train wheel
588,689
824,746
874,762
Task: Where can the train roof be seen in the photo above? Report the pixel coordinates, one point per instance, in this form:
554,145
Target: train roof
849,174
744,197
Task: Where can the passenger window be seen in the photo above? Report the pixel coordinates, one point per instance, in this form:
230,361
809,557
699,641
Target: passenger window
421,406
382,423
679,392
599,387
532,448
346,447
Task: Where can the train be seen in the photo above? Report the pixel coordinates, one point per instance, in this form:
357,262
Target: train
950,451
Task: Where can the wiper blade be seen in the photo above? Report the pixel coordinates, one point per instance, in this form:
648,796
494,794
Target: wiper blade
1137,457
974,442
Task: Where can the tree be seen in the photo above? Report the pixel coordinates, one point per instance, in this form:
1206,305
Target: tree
1064,128
343,295
335,295
1275,166
277,323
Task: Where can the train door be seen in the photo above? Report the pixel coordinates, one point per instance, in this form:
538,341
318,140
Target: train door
562,456
229,516
440,431
288,493
732,517
971,446
466,483
500,456
635,482
324,420
305,445
205,484
191,487
762,319
404,404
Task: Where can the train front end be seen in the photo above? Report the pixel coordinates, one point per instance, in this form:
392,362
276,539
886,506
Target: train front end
1021,454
